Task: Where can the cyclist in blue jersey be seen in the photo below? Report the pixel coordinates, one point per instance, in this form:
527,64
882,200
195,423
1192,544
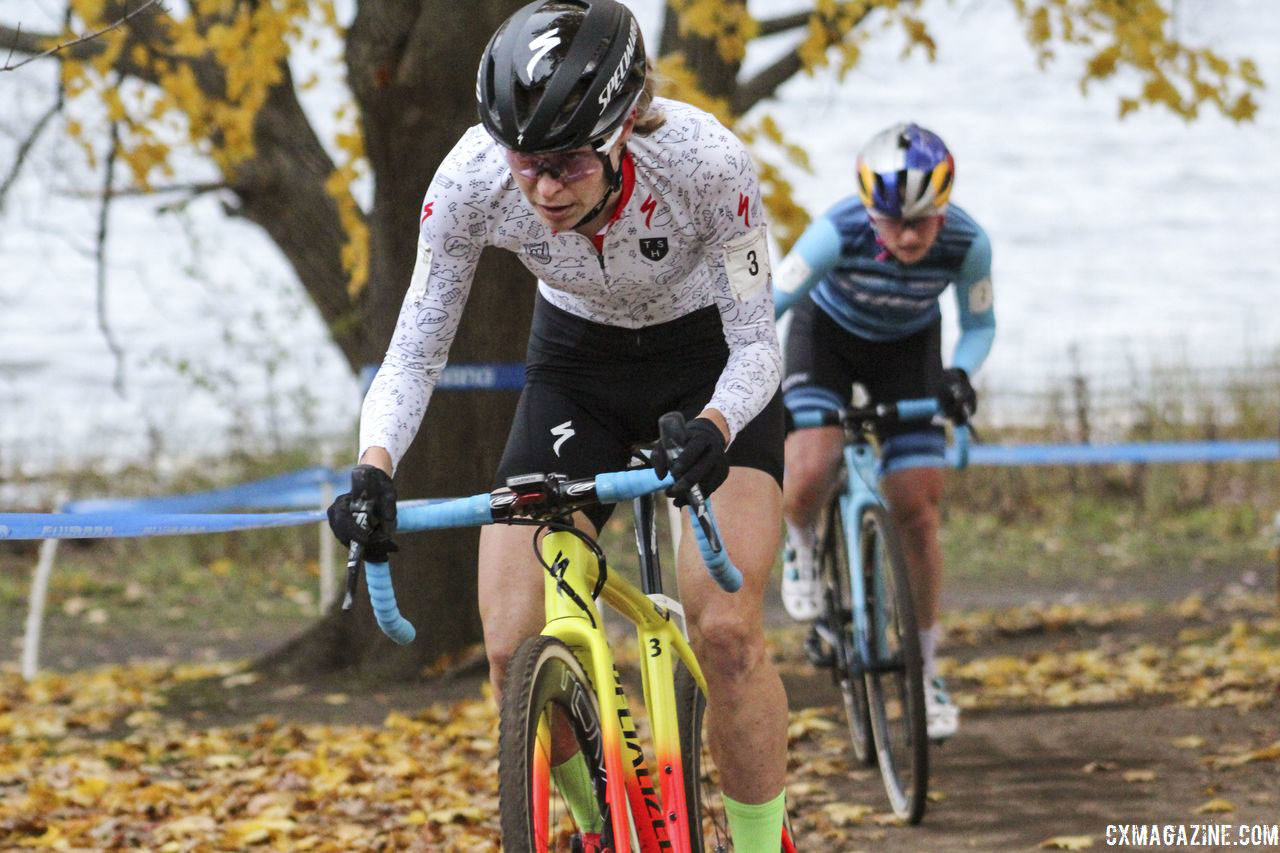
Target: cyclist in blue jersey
873,268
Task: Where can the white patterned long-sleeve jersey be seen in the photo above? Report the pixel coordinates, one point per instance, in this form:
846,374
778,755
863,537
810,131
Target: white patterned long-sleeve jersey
690,233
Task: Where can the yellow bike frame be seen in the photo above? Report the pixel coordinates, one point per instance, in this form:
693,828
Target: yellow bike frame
660,816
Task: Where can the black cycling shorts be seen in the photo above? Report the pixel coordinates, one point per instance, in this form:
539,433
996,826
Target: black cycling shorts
823,360
593,391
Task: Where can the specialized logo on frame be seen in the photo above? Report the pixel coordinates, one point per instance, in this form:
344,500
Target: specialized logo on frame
563,432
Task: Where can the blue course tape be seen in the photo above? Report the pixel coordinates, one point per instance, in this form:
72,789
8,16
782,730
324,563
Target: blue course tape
116,518
482,377
119,525
302,488
1110,454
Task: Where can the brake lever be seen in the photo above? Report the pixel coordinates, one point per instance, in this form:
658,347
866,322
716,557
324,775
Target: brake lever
355,555
673,434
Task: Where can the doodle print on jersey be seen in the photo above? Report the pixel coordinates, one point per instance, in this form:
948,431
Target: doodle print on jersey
695,200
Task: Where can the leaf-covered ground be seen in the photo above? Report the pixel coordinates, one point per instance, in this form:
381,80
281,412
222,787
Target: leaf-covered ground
1076,716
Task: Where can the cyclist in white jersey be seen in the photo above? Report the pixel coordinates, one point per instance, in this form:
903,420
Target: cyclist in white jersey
642,219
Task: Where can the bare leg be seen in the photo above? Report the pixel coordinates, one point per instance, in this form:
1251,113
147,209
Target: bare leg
746,703
812,460
914,496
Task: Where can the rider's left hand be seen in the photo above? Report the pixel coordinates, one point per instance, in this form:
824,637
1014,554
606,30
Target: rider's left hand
956,396
701,462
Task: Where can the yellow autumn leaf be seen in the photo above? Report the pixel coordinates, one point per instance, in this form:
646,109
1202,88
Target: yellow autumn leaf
1067,842
1215,806
1138,776
846,814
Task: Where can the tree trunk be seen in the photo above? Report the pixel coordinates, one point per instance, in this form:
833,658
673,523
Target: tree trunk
716,76
412,69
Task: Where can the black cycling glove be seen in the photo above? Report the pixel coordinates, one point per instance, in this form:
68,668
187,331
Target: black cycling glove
699,461
956,396
371,485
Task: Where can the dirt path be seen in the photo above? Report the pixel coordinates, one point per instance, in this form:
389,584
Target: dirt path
1015,776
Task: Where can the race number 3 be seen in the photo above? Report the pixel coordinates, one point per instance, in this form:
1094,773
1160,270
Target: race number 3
746,261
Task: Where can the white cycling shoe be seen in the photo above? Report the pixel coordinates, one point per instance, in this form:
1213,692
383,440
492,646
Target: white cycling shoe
942,717
801,586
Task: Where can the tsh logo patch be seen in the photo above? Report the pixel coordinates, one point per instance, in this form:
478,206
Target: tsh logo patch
654,248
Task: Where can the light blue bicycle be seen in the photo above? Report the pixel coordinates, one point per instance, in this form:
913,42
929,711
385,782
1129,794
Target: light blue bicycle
867,635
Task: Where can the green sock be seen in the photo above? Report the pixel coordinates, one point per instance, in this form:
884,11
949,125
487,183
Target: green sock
573,780
756,827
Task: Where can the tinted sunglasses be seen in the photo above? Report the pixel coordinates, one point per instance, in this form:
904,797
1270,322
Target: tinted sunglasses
565,167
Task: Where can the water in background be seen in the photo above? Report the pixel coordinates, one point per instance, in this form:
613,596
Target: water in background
1118,245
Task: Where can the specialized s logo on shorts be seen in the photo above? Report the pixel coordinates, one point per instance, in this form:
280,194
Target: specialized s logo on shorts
563,431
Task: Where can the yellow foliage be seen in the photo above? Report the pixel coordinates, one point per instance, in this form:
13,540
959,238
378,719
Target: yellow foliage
1136,35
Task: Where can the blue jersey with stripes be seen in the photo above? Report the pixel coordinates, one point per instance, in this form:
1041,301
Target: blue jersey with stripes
855,280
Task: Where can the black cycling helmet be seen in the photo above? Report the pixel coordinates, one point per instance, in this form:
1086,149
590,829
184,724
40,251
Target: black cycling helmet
561,74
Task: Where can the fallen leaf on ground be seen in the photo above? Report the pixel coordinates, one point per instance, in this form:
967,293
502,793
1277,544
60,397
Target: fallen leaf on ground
1067,842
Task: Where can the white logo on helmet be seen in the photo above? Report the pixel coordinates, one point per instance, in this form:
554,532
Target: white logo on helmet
541,46
620,73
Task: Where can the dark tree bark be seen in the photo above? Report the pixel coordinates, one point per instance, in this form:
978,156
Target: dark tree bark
411,66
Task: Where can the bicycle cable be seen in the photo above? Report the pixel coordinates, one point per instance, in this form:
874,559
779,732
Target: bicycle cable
561,584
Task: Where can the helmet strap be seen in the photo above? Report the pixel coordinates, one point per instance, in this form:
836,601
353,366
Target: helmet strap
613,183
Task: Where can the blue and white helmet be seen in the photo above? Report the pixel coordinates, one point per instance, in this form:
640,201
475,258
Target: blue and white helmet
905,172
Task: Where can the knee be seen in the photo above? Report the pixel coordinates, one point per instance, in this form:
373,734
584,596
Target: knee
499,648
802,487
915,515
729,648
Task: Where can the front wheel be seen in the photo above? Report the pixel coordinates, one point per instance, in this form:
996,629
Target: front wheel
710,826
548,699
847,668
895,685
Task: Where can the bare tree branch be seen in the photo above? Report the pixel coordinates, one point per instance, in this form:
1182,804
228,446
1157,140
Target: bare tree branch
748,93
100,255
192,189
18,43
751,92
25,148
773,26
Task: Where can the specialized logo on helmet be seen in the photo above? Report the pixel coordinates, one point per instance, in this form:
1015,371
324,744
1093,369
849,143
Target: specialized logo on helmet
620,73
540,47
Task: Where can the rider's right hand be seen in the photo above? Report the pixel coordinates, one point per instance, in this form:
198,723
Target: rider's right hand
699,461
371,486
